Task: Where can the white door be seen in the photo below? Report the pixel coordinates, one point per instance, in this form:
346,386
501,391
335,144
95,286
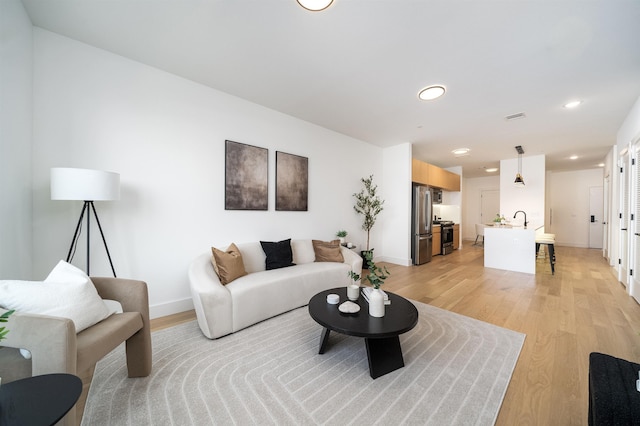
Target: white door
623,260
634,226
596,203
606,218
489,205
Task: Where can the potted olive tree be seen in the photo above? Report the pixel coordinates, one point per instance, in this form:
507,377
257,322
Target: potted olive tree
369,205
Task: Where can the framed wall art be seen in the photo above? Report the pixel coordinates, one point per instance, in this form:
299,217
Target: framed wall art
246,177
292,182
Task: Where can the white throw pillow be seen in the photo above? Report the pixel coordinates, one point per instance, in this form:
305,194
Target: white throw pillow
67,292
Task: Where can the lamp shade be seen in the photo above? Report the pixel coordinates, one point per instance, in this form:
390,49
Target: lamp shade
519,181
84,184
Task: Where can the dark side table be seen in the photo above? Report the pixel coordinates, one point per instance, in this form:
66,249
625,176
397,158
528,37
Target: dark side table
381,335
38,400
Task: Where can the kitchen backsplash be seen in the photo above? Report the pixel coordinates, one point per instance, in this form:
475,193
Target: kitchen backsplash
447,212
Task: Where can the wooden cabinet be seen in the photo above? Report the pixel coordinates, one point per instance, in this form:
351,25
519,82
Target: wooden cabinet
419,172
456,236
428,174
444,179
437,240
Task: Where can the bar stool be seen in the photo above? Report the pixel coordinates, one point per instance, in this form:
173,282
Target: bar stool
548,240
479,233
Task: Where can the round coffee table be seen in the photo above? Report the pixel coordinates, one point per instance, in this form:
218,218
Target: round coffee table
38,400
381,335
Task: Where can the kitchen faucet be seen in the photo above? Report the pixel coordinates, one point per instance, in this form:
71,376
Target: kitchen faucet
525,217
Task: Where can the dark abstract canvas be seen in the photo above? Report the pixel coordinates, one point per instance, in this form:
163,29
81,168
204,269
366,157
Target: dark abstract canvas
292,182
246,177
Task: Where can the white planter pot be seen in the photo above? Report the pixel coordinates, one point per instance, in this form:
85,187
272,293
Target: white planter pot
376,303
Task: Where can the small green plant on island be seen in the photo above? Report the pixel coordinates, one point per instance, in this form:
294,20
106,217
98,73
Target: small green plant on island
341,234
4,318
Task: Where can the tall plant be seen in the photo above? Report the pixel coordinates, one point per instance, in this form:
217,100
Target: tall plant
368,204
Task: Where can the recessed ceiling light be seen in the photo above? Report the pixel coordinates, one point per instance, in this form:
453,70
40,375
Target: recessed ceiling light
573,157
491,169
315,5
516,116
572,104
431,93
461,151
601,165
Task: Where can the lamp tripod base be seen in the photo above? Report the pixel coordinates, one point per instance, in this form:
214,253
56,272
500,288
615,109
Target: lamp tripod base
85,208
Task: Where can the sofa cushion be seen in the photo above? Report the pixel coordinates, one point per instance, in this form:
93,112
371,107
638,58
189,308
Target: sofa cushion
228,264
269,293
302,252
279,254
67,292
327,251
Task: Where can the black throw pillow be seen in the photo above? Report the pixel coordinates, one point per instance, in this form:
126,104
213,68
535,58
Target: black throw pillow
279,254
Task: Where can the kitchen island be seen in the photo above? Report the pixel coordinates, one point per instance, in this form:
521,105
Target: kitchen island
510,248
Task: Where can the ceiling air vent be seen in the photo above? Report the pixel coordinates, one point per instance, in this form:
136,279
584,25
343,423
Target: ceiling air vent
515,116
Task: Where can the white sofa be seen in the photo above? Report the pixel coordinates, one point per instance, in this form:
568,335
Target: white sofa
261,294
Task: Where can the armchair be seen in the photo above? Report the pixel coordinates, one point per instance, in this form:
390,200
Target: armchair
56,348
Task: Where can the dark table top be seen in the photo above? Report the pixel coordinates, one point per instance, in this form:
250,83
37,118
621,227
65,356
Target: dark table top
38,400
400,316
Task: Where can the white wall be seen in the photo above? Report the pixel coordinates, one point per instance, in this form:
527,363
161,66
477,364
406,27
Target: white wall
15,141
531,197
630,129
472,202
568,202
396,228
165,136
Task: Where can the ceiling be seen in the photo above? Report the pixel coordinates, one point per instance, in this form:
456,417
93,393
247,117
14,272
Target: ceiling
357,67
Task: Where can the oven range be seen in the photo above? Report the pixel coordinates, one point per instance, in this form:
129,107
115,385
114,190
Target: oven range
446,228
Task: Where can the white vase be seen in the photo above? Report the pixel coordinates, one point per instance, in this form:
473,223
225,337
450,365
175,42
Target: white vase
341,240
376,303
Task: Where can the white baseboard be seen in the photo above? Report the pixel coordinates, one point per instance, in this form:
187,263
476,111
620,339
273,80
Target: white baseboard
569,244
394,260
170,308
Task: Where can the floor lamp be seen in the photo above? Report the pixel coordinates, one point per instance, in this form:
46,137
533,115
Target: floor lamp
88,186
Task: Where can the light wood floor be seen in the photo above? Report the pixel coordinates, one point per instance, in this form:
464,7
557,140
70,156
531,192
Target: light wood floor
580,309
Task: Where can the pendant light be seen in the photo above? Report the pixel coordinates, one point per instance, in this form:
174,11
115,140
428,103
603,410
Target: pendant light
315,5
519,181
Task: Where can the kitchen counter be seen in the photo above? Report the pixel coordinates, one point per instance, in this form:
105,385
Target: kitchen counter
510,248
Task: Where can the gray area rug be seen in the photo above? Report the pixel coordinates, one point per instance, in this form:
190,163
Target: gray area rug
456,372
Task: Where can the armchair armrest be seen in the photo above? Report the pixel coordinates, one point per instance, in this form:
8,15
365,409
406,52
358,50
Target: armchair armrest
352,259
134,297
132,294
211,300
51,341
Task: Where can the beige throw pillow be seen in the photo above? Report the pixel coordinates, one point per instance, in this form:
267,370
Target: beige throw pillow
327,251
228,264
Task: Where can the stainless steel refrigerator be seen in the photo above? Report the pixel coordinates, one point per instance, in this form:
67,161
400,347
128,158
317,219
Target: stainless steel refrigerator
422,224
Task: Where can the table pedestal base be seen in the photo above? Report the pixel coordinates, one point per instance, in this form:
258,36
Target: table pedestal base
384,355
